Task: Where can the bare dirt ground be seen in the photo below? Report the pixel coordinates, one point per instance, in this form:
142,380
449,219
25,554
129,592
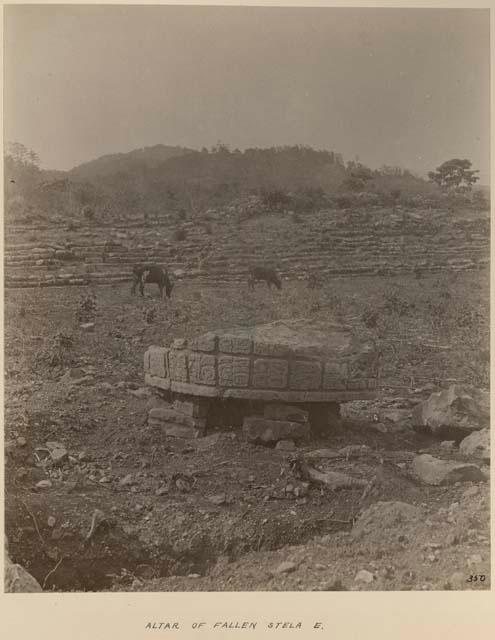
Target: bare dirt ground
132,510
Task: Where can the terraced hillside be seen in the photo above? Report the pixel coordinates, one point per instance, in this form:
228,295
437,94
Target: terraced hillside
218,249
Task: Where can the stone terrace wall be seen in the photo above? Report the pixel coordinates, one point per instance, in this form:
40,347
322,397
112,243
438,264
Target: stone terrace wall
327,243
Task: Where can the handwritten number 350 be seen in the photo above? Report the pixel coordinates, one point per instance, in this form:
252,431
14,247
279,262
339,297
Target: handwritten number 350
475,578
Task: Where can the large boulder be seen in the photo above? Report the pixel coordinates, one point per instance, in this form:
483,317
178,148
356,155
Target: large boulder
456,411
384,517
477,445
258,429
285,412
18,580
434,471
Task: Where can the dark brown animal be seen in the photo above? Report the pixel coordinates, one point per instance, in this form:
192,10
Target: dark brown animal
266,274
151,273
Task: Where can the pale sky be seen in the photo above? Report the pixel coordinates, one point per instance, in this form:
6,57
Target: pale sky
392,86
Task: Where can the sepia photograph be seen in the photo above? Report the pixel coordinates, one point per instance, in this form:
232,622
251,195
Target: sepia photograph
246,299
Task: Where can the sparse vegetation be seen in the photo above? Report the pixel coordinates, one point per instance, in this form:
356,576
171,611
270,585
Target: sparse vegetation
370,317
88,213
59,352
86,308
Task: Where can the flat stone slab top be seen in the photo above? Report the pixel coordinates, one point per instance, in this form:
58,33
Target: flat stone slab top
289,361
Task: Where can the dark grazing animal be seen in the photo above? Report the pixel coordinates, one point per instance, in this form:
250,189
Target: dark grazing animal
151,273
260,273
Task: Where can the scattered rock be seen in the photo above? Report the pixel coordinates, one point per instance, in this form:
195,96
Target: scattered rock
321,453
179,343
196,407
381,427
428,387
21,473
332,479
176,430
285,445
474,560
87,326
384,517
169,415
75,377
257,429
285,412
208,441
75,372
21,441
83,380
457,580
57,452
395,415
448,445
143,392
335,585
219,499
471,492
90,370
127,480
396,402
438,472
44,484
182,482
458,408
364,576
354,450
105,386
477,445
432,545
51,521
285,567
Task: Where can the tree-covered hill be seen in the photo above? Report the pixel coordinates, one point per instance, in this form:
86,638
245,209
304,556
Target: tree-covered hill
157,181
137,160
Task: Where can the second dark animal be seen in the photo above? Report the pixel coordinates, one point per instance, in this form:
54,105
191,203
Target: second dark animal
267,274
151,273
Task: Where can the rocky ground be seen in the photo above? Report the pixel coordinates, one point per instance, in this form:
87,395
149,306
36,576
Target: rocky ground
97,499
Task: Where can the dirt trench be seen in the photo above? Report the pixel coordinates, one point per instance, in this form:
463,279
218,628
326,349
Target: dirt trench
62,558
